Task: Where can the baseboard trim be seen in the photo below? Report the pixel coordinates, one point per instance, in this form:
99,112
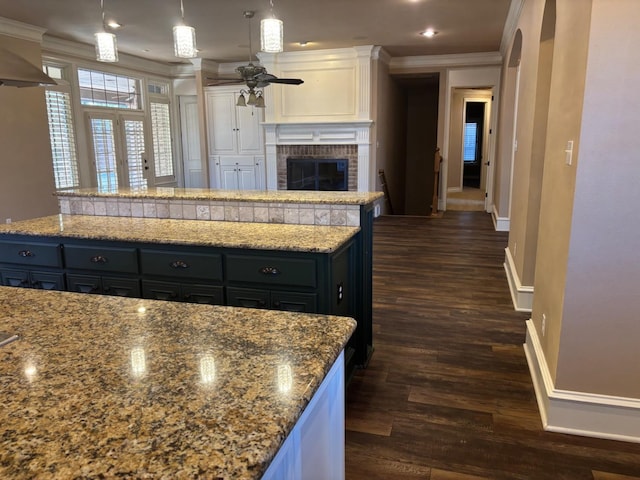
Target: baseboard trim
579,413
521,295
501,224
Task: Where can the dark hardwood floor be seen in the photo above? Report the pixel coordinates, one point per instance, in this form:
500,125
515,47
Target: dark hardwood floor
447,394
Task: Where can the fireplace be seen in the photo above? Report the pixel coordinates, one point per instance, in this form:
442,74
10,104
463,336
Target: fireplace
313,173
332,162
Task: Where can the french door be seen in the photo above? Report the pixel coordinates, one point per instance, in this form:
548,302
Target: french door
117,143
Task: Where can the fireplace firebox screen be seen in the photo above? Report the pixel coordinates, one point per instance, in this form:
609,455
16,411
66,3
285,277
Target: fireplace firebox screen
317,173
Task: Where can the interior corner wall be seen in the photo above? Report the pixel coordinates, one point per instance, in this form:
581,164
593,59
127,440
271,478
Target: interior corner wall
565,95
600,328
27,183
389,137
529,23
506,119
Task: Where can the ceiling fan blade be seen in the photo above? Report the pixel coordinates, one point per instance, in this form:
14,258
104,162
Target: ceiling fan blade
265,79
287,81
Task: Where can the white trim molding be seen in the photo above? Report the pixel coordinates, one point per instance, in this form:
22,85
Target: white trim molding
501,224
510,25
399,64
24,31
579,413
521,295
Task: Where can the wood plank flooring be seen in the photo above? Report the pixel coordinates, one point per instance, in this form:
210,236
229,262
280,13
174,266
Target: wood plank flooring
447,394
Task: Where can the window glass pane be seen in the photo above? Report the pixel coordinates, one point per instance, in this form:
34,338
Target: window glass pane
161,130
470,140
105,154
109,90
62,138
134,139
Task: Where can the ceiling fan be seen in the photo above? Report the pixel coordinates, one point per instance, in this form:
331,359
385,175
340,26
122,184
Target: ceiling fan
253,76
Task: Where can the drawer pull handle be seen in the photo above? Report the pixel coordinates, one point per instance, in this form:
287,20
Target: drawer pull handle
99,259
269,271
26,253
179,264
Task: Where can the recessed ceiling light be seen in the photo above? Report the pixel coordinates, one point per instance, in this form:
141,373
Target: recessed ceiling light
429,33
303,43
114,24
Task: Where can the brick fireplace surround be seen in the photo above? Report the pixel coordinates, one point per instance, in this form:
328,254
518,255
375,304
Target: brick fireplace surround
350,152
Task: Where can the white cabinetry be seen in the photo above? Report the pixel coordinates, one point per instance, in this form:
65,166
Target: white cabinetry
239,172
315,447
236,141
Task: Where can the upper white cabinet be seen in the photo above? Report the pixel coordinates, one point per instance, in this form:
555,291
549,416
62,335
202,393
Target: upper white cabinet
236,141
232,130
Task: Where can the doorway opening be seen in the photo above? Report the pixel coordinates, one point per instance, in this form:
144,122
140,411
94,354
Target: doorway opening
469,149
472,144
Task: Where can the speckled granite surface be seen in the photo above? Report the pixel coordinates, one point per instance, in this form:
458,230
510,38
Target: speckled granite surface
105,387
281,196
261,236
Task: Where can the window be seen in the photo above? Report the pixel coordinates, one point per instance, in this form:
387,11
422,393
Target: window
470,142
61,131
161,133
109,90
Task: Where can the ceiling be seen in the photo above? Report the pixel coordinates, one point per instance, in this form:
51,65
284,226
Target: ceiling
463,26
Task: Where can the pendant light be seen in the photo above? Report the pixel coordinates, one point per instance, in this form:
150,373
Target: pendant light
106,45
184,38
271,34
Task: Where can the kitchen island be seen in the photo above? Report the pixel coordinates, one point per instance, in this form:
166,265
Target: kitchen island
102,386
275,207
306,268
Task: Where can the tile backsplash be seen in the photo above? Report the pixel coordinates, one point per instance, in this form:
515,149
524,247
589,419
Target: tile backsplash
228,211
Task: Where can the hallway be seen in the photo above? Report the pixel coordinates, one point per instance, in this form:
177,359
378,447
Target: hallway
447,394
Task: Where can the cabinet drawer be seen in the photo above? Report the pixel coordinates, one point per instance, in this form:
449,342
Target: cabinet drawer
272,270
15,278
204,294
181,264
103,259
84,283
248,297
47,281
121,287
294,302
42,254
160,290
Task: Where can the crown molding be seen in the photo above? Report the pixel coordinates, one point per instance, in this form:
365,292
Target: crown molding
24,31
322,55
381,55
60,49
510,25
453,60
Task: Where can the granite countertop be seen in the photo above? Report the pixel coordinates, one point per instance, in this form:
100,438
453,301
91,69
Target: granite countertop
275,196
260,236
101,386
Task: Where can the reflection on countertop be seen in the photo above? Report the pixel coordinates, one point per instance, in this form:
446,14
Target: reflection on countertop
108,386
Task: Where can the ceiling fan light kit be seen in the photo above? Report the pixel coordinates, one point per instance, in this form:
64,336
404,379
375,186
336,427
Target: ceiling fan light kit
106,44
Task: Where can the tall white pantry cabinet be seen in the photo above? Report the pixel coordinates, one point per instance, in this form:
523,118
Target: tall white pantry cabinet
236,141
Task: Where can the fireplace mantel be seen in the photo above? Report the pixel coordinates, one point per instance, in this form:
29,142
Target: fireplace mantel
319,133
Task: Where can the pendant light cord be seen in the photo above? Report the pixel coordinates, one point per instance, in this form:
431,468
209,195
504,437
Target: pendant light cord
182,11
104,25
